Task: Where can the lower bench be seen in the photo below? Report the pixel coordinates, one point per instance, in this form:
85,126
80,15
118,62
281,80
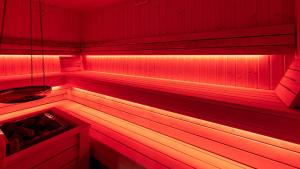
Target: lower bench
147,147
159,139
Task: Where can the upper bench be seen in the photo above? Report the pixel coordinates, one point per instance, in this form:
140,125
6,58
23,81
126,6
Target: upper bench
255,110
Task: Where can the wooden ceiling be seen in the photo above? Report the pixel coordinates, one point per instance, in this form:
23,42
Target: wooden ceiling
82,5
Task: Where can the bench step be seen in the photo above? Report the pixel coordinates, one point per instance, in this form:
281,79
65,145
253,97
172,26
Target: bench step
140,138
166,150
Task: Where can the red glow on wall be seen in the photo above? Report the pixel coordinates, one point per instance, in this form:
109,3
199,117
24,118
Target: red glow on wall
21,64
202,57
211,86
252,71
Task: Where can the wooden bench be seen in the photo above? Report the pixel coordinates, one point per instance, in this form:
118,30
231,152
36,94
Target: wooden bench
149,148
258,111
57,80
51,79
118,122
155,138
238,96
184,125
289,87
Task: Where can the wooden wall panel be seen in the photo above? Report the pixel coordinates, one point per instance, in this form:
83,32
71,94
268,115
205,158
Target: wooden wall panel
165,17
248,41
20,64
298,25
70,63
288,90
61,27
254,71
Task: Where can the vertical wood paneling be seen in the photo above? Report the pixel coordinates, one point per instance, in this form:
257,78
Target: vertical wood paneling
128,21
297,7
231,71
242,72
220,68
59,24
19,65
264,72
277,70
246,13
253,71
288,59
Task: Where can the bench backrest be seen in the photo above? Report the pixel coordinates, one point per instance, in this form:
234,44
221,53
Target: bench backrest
288,90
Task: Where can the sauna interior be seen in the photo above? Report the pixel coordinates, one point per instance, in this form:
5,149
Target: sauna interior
156,84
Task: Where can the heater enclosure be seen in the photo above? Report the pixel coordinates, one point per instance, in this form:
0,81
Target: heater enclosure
70,148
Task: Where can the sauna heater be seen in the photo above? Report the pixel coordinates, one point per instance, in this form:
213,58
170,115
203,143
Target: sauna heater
27,132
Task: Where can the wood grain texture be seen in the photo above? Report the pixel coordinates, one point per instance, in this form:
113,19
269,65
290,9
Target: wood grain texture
61,28
297,12
111,158
146,142
248,108
71,63
174,17
55,96
179,17
11,65
288,89
180,128
191,27
54,152
260,40
255,71
39,157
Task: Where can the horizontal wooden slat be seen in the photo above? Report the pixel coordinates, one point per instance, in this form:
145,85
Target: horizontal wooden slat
293,74
291,84
105,139
25,50
56,95
242,50
286,95
147,134
259,40
210,43
38,156
200,136
37,42
238,96
25,112
295,65
70,63
289,88
51,79
71,165
128,151
60,160
107,156
250,32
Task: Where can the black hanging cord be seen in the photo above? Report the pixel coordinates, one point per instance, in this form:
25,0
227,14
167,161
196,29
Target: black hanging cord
3,20
42,39
31,41
27,93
